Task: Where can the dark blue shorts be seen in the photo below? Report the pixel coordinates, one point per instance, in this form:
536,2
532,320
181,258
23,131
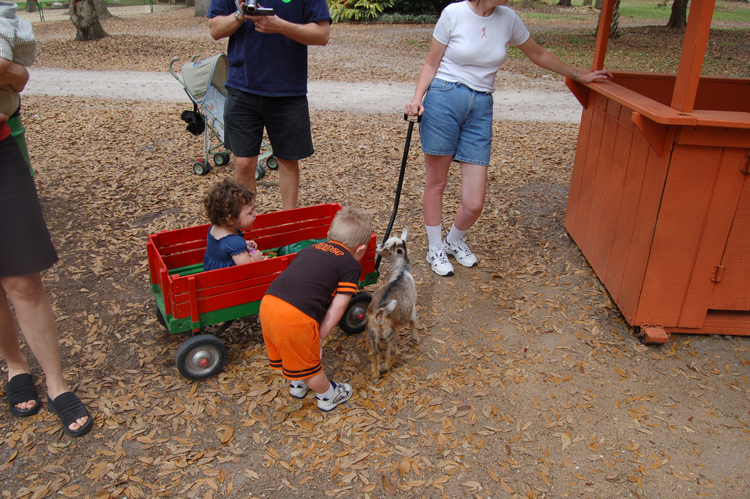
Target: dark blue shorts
286,119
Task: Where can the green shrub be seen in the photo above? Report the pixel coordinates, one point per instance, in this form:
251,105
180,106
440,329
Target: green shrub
407,18
357,10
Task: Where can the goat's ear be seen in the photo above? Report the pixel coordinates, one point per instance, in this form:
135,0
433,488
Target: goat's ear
405,233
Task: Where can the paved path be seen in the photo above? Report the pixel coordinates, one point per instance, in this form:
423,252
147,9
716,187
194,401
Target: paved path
516,105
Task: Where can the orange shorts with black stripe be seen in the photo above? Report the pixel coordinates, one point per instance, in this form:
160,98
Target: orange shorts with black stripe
292,339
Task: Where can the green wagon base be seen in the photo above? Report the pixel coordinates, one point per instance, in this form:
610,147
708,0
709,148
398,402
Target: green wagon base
185,324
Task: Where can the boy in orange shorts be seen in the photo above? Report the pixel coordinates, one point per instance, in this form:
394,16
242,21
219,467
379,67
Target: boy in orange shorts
303,304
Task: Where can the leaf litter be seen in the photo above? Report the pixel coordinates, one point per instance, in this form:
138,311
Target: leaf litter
529,384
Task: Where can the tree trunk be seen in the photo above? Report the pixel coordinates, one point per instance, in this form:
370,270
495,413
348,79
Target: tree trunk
83,15
587,3
614,27
201,7
598,4
101,9
678,19
32,6
564,3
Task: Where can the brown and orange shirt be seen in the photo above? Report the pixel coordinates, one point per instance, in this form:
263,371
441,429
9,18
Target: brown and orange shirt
316,274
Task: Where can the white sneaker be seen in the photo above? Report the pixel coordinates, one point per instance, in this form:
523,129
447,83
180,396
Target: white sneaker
342,393
461,253
437,258
298,389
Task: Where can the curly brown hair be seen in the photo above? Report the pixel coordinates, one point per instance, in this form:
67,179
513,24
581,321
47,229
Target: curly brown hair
225,199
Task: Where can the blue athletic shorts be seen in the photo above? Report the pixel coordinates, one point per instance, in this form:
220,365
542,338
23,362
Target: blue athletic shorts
286,119
457,121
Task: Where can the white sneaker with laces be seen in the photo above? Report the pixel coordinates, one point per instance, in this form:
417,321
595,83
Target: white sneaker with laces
298,389
437,258
341,393
461,252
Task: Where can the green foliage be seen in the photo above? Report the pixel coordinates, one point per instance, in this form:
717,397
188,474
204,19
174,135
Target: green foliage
356,10
418,7
407,18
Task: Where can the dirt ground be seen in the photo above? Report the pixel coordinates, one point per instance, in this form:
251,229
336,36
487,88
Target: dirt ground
528,381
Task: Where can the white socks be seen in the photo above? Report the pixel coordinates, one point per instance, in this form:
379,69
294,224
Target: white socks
455,235
330,393
434,235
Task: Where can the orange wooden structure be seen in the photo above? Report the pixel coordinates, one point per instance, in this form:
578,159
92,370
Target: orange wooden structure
659,199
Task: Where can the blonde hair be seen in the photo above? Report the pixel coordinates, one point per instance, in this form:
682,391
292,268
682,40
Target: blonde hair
351,227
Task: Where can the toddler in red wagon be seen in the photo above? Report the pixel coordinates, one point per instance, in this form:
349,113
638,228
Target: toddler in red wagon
231,209
305,302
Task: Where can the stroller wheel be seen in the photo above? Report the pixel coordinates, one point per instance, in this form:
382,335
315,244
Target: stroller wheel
221,158
260,171
272,162
201,168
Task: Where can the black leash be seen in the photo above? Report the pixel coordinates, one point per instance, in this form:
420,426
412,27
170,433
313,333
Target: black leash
411,120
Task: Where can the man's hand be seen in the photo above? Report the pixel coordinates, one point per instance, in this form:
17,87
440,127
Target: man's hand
269,24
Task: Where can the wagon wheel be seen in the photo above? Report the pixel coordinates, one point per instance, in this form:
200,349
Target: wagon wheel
160,317
272,162
355,317
201,357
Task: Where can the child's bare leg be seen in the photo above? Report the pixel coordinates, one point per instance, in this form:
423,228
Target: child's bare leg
318,383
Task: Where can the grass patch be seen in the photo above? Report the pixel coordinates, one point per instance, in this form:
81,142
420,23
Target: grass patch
648,48
630,10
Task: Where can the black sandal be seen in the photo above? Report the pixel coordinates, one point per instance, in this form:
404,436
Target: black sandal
21,389
69,408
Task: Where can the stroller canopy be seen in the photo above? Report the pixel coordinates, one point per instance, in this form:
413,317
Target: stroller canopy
200,75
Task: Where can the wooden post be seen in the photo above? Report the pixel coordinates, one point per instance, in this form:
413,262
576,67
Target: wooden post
602,36
693,52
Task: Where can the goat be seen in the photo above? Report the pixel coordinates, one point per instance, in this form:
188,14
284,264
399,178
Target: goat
393,306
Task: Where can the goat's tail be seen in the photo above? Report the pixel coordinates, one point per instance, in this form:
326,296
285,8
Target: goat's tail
384,310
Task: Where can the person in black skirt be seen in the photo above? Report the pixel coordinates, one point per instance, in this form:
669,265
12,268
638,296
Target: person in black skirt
25,250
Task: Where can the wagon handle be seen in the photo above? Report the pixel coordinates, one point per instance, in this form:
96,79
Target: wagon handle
411,121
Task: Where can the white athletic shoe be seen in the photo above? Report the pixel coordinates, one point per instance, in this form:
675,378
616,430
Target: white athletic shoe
298,389
461,253
437,258
342,393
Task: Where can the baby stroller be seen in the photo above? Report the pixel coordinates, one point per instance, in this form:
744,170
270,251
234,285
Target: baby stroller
203,81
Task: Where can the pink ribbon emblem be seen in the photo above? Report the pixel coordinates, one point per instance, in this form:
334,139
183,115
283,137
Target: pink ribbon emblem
484,33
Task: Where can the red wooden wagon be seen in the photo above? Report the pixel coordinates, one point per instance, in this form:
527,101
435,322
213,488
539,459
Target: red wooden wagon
188,299
659,200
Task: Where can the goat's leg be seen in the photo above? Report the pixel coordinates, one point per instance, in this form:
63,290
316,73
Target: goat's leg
413,325
391,351
374,354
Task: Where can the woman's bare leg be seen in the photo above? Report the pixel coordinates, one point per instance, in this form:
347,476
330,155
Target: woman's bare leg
436,178
37,321
473,189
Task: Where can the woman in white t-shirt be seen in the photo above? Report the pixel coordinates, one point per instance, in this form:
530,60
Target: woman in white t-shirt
458,78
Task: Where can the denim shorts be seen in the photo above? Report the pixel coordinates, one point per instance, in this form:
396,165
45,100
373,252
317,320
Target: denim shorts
457,121
286,119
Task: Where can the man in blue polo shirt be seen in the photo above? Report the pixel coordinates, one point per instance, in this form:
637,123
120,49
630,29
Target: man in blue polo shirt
267,84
